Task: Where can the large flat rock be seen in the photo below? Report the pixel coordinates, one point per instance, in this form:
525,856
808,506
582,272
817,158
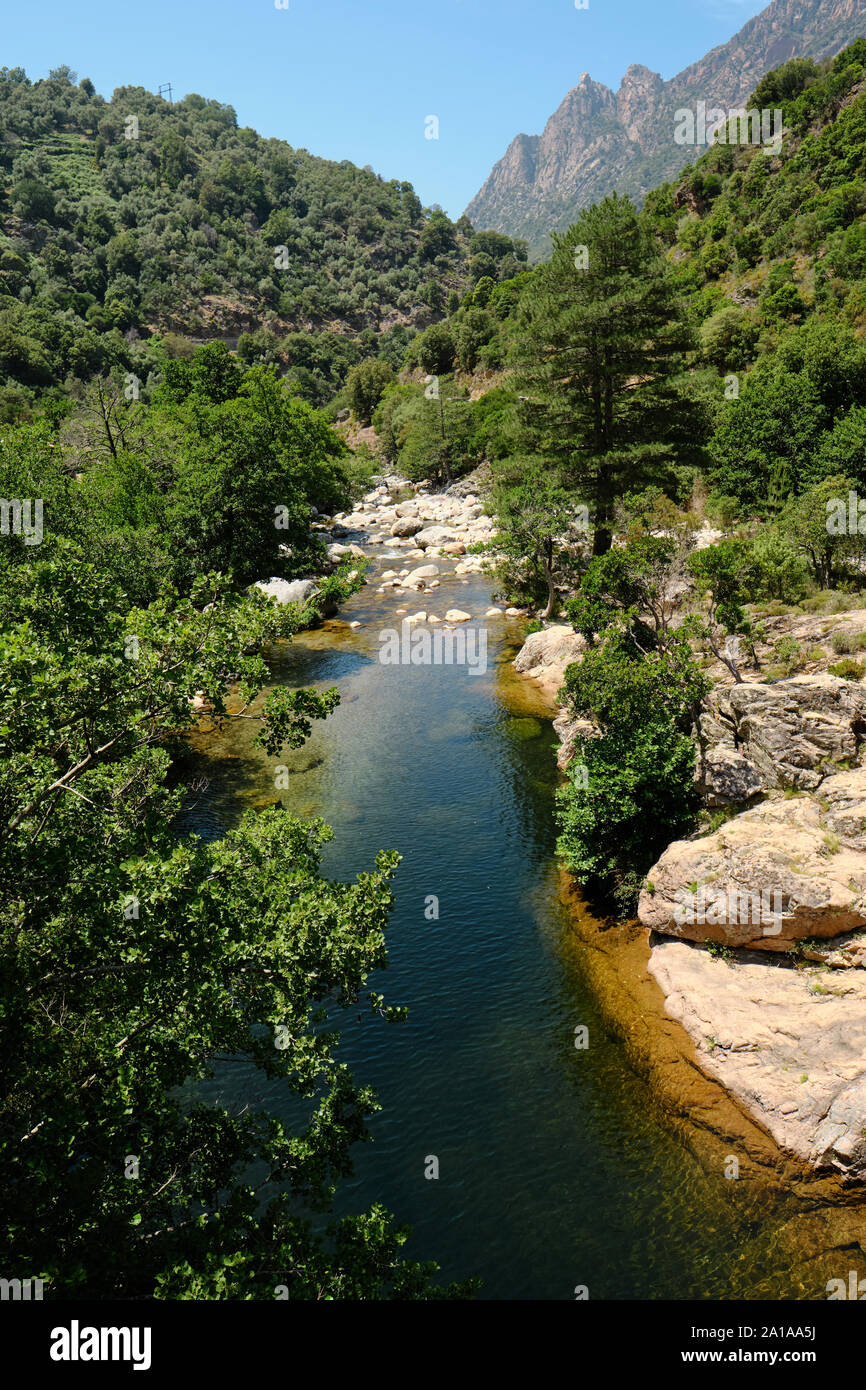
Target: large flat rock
788,1043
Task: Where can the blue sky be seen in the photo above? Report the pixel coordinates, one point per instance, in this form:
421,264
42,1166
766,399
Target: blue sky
352,80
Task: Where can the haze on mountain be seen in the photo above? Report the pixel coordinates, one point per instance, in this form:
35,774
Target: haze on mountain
599,141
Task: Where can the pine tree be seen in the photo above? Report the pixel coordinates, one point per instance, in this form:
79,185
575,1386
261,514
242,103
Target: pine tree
602,342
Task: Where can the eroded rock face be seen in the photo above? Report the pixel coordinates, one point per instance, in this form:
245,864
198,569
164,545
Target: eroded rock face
782,871
788,1043
728,778
570,733
793,733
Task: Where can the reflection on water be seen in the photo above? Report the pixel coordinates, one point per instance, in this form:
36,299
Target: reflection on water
557,1166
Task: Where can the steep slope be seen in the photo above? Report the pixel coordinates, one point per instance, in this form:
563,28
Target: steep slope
126,218
599,140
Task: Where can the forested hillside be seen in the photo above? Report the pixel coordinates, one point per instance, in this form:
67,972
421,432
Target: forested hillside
770,253
766,253
134,217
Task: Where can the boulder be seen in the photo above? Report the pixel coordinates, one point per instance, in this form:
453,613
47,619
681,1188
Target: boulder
407,526
287,591
457,615
787,869
417,578
434,536
545,655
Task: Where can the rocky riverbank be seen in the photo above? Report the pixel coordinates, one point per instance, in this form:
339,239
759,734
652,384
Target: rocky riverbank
428,536
756,932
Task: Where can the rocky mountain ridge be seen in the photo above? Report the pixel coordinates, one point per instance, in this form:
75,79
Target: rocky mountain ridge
598,141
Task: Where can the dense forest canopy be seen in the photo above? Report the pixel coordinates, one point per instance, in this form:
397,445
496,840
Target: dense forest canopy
135,217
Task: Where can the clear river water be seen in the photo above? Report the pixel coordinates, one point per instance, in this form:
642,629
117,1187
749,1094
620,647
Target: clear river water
558,1167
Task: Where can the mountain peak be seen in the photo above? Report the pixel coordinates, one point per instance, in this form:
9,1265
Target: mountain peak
597,140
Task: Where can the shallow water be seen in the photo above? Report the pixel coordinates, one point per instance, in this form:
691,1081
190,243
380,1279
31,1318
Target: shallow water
557,1166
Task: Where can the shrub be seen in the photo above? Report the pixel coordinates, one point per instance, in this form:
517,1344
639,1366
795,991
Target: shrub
848,670
844,642
788,653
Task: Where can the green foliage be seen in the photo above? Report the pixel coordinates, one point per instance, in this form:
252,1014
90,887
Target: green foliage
365,386
218,472
199,225
140,959
777,437
435,350
600,348
775,567
539,528
809,521
721,575
849,670
637,791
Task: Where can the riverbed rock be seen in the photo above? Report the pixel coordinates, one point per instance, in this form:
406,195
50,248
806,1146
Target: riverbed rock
288,591
434,536
784,870
545,655
788,1043
418,578
407,526
457,615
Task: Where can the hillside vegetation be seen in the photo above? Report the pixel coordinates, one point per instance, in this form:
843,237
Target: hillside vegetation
133,217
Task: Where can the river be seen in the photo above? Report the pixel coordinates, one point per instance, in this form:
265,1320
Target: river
558,1167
